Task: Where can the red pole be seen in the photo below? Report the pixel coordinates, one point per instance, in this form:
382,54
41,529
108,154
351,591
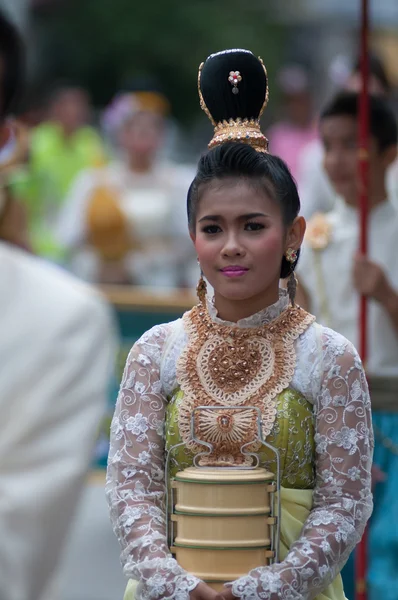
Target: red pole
363,165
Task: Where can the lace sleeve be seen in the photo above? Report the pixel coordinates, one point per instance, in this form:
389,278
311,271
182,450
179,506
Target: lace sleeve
136,476
342,500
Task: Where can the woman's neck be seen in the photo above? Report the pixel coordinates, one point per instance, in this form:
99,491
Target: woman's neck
234,310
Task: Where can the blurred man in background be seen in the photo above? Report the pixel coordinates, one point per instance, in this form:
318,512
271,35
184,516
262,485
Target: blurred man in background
316,192
56,354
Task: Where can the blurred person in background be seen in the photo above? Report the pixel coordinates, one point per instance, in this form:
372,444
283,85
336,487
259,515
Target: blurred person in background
124,223
333,276
56,354
316,192
60,147
288,137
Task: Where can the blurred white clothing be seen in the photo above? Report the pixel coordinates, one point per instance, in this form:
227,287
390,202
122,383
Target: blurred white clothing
57,348
154,206
91,568
315,190
326,275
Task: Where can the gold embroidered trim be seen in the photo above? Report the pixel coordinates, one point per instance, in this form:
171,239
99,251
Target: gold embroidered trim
240,130
226,367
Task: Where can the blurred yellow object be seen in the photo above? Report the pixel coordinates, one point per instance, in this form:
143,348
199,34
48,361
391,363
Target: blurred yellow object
152,102
107,228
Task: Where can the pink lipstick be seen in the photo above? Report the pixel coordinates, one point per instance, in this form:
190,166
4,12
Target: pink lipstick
234,271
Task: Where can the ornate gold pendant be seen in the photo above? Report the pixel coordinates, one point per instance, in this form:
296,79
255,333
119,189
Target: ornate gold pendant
228,367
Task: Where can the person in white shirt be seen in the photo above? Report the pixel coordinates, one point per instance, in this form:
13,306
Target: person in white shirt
124,223
316,191
56,354
333,276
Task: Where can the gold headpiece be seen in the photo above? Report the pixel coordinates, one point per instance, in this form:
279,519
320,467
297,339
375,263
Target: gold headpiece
247,131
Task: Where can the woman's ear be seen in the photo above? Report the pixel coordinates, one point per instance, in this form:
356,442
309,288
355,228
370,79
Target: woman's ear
295,234
192,235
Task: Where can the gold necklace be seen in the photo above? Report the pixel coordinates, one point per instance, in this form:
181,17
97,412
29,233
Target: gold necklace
225,366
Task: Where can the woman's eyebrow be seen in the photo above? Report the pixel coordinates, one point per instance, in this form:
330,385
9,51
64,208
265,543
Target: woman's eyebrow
241,217
210,218
253,215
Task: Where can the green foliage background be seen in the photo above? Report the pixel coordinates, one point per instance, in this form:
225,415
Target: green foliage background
103,43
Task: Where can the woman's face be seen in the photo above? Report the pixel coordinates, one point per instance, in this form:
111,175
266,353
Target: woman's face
240,239
143,134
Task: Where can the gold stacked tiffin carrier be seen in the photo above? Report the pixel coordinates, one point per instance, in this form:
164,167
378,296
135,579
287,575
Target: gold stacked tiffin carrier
223,520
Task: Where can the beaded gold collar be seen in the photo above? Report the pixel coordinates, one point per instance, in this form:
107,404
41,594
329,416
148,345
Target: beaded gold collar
226,366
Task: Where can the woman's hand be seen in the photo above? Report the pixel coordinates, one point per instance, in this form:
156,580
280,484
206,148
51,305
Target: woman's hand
203,592
370,280
226,594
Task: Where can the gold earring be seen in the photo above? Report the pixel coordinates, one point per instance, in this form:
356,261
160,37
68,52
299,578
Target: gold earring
201,289
292,287
291,255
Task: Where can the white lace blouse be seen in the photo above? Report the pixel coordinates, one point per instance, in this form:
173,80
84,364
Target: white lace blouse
330,375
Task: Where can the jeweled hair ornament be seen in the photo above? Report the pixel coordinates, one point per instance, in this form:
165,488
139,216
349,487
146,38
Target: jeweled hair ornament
234,78
233,92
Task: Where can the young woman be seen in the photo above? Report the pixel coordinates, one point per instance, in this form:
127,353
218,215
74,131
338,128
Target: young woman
124,222
243,219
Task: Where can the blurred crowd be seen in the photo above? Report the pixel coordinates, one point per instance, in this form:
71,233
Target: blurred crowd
103,198
105,202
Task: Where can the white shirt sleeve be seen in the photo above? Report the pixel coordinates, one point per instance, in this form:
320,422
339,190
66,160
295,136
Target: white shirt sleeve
136,475
342,499
315,190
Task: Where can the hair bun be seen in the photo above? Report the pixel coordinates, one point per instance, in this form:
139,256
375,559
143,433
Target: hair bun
233,91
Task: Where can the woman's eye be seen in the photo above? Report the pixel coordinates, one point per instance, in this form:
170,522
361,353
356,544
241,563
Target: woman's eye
211,229
254,226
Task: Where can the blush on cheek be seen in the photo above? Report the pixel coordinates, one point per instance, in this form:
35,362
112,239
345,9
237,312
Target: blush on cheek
208,252
271,244
205,249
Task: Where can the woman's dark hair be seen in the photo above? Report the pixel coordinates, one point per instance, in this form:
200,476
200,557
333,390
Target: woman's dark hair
12,54
241,161
217,90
